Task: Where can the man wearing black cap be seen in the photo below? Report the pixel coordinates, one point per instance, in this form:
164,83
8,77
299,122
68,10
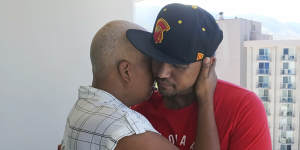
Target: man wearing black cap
183,37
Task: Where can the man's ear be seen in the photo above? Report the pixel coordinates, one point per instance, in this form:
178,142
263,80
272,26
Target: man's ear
124,69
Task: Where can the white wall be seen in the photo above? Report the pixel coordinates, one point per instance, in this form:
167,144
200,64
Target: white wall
44,58
228,53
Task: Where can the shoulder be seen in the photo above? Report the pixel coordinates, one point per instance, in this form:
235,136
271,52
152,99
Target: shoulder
246,114
237,103
234,94
105,123
227,87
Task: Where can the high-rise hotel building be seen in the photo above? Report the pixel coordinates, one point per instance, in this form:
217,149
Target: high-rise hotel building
270,68
273,73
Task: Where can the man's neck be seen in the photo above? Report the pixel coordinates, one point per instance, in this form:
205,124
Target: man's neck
110,88
179,101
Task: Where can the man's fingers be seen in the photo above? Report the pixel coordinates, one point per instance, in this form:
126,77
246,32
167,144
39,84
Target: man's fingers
213,65
205,67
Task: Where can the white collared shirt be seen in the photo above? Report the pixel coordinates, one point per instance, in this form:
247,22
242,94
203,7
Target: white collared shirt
98,120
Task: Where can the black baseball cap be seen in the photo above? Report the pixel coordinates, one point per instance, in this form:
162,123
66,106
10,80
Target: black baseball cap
182,34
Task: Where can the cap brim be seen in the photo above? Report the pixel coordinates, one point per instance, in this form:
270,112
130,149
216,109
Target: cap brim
143,41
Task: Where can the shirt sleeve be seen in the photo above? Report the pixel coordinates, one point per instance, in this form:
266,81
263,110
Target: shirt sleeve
114,133
251,130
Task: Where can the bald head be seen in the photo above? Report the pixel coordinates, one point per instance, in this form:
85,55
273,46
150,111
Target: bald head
110,45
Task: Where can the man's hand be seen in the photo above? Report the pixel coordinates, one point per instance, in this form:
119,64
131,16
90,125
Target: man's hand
206,82
207,132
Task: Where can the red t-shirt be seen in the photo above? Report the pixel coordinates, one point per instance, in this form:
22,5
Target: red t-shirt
240,118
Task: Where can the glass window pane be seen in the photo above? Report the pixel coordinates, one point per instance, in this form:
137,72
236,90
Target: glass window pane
267,65
289,147
285,65
266,92
261,65
261,51
291,65
284,93
289,93
267,51
260,79
285,51
266,79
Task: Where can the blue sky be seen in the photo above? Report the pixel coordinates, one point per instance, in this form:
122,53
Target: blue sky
279,18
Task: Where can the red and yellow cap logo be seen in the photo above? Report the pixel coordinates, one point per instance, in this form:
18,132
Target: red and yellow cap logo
199,56
160,27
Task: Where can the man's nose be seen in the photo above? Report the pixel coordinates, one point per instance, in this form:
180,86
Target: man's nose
164,70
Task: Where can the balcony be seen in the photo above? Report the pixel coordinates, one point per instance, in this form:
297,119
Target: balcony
288,58
287,86
286,127
263,71
263,57
265,98
268,112
288,71
287,100
287,114
263,85
286,141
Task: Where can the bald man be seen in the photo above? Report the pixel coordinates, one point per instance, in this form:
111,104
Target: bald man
101,118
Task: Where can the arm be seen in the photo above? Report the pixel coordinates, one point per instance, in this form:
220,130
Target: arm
207,133
145,141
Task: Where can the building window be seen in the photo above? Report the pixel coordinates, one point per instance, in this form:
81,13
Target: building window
264,54
288,79
288,82
286,132
287,96
288,68
263,68
285,147
287,110
285,51
264,95
286,137
286,124
288,54
267,108
263,82
285,65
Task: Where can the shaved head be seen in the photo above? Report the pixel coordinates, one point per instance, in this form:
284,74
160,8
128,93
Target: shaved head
118,67
110,45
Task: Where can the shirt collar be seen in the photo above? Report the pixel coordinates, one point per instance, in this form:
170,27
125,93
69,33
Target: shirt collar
99,97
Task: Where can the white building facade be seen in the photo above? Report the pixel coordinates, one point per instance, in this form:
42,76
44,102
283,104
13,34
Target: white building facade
273,73
231,53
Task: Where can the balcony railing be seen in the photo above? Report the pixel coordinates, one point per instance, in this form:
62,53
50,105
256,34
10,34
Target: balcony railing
287,100
263,71
263,57
286,140
262,85
287,114
268,113
289,141
288,71
287,127
287,86
265,98
288,57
